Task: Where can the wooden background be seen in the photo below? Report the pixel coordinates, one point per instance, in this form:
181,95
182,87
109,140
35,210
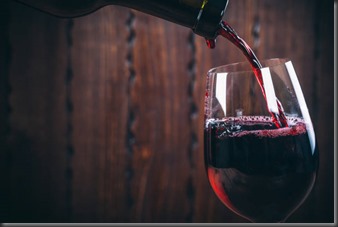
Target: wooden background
101,117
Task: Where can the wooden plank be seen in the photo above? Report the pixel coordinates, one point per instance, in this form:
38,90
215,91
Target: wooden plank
99,94
323,208
161,128
38,116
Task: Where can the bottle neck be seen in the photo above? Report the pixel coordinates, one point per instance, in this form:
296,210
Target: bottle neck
210,17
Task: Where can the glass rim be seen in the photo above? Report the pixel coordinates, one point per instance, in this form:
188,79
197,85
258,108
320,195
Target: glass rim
244,66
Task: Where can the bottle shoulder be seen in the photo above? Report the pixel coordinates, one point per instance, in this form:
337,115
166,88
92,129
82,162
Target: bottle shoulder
65,8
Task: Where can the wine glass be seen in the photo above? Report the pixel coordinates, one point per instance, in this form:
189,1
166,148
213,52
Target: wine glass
258,170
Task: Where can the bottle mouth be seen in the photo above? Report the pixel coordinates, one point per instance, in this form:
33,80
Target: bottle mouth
209,18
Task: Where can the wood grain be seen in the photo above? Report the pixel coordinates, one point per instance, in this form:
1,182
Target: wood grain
37,162
99,118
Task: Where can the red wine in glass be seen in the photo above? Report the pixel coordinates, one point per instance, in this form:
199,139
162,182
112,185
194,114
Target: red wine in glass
260,167
267,183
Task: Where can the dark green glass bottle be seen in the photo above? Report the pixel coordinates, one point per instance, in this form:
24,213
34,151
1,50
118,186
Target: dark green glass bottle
202,16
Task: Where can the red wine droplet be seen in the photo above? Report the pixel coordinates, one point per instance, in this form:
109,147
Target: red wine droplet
211,43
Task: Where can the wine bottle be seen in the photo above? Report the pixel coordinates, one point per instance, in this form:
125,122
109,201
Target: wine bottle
202,16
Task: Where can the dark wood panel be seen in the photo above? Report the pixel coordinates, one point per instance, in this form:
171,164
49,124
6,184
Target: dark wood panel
37,120
4,110
159,101
99,117
323,93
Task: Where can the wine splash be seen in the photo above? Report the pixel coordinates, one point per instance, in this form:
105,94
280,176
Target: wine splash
229,33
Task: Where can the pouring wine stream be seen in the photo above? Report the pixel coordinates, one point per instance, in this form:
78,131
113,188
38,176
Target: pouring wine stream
278,117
